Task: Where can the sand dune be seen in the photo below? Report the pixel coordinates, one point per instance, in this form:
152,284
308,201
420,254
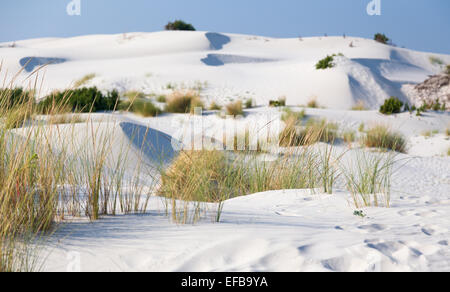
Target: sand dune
233,65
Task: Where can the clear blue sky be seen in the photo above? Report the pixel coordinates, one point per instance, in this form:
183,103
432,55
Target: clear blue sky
416,24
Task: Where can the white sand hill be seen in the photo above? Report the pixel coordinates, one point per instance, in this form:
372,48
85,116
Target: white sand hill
233,65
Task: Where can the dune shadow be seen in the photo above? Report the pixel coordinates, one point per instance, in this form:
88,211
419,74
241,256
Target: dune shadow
155,145
217,40
30,63
222,59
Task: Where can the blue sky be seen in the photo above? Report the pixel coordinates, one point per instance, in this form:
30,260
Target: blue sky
417,24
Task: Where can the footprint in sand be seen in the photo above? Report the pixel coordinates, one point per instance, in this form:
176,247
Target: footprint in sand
431,230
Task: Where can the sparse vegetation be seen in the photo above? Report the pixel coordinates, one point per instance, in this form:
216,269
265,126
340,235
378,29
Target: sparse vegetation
381,137
314,131
234,109
183,102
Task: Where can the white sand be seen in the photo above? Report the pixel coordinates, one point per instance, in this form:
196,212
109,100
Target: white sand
235,66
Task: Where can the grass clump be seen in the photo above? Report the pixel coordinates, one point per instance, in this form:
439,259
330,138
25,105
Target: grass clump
369,179
234,109
381,137
183,102
199,177
215,106
84,80
391,106
312,132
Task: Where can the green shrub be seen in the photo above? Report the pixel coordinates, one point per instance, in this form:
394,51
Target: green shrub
391,106
447,69
381,38
82,100
325,63
179,25
381,137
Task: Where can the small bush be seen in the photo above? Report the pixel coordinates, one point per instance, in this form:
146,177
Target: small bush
234,109
278,103
325,63
381,38
447,69
183,102
381,137
391,106
179,25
